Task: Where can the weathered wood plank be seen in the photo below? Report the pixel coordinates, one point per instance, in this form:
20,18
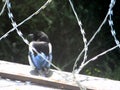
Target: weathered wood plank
8,84
59,79
23,73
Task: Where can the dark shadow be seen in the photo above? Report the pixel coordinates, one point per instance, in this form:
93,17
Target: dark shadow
43,73
34,72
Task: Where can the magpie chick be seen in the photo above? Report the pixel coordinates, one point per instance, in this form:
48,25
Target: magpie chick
43,46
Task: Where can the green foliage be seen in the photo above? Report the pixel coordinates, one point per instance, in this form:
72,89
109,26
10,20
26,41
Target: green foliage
58,21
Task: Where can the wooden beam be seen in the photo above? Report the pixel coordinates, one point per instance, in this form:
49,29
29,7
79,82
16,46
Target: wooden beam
59,79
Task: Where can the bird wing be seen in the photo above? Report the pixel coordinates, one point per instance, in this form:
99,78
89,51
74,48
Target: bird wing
45,52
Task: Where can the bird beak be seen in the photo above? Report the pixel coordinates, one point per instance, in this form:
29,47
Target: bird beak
30,35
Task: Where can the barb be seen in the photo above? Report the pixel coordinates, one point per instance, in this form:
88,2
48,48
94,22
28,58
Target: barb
3,9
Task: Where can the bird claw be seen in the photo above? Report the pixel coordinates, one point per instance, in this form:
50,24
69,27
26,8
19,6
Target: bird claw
46,72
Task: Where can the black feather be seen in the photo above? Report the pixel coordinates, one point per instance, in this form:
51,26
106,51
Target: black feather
42,47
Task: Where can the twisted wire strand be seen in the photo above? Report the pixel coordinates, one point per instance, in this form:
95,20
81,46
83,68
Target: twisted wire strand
10,15
28,18
92,38
97,56
82,32
3,8
111,23
85,44
83,64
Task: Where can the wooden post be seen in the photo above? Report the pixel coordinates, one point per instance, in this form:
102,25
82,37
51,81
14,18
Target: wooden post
59,79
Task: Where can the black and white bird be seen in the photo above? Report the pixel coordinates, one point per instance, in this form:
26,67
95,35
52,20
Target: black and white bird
38,60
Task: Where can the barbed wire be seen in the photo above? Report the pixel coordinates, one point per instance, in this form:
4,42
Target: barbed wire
28,18
3,8
97,56
83,34
83,64
86,44
113,32
92,38
15,27
21,35
10,15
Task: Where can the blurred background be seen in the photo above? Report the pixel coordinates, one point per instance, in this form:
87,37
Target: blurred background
59,23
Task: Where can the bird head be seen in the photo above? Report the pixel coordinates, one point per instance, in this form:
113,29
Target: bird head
39,36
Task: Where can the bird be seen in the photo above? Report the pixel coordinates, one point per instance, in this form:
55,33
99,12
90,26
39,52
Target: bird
40,52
